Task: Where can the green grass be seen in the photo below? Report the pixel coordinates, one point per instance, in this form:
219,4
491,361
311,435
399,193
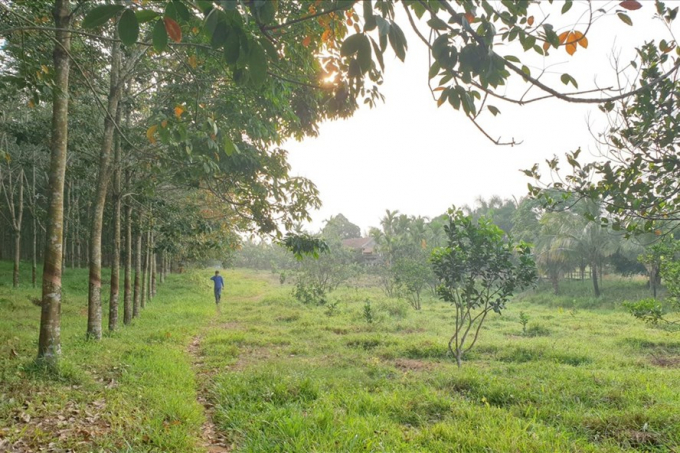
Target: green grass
132,391
292,378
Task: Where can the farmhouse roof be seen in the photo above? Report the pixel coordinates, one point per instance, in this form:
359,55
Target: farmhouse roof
357,243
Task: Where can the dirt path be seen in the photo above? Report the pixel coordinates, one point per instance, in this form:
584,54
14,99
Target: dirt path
212,440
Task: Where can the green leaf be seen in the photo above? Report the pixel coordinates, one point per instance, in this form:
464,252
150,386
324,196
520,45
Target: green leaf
159,36
354,69
182,10
364,56
171,11
146,15
437,24
397,41
624,17
512,58
230,147
205,6
526,70
100,15
272,53
567,79
257,64
351,44
128,27
369,19
494,110
219,36
567,6
229,4
434,70
232,47
440,47
267,12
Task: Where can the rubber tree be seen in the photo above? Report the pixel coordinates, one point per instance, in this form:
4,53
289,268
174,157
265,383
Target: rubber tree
49,342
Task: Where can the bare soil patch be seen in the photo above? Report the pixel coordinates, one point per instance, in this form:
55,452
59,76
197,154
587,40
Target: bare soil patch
413,365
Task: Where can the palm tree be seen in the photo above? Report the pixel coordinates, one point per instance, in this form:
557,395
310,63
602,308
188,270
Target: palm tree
552,259
586,240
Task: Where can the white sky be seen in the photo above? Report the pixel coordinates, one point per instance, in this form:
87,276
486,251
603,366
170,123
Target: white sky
409,155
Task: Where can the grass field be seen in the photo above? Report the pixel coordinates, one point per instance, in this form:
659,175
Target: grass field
273,375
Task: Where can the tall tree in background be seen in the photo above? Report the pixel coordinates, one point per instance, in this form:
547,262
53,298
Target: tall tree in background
339,227
12,184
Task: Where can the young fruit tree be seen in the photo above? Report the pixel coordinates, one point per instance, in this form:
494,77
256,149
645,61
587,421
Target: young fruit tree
479,271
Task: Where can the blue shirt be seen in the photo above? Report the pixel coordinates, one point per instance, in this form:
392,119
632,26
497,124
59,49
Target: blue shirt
219,282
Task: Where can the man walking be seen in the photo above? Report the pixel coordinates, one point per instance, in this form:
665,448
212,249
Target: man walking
219,284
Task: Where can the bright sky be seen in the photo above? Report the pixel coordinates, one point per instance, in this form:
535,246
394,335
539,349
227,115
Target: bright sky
409,155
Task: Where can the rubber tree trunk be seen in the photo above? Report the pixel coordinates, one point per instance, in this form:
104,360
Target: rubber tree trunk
72,252
145,264
94,297
18,218
67,217
115,264
49,342
127,297
34,264
147,268
154,272
137,301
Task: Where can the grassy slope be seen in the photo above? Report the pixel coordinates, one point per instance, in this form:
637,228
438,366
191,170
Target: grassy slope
285,377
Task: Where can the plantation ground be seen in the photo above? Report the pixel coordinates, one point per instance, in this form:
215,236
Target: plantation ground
273,375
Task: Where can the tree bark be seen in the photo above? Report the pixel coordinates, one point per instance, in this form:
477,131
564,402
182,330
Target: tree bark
72,252
34,253
127,299
94,299
49,342
145,283
115,264
138,270
67,216
17,230
154,264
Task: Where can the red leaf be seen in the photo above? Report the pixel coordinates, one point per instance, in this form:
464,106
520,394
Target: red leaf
173,29
630,5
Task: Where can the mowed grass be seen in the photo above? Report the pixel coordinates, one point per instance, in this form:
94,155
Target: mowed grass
286,377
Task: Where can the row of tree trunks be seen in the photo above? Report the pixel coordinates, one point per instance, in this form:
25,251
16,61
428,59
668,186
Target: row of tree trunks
58,227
